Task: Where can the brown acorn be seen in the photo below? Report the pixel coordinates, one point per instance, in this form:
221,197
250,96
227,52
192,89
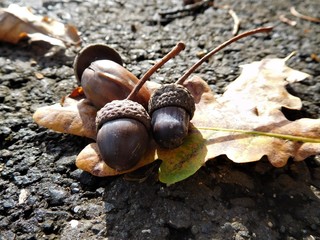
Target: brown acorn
123,128
171,107
98,68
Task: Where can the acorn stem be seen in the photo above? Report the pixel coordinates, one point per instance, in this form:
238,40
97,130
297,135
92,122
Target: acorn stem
174,52
217,49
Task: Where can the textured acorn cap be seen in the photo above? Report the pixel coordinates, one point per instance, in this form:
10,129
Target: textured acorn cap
122,109
172,95
91,53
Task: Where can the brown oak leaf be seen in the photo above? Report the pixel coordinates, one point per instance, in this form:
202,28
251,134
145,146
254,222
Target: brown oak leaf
70,116
245,123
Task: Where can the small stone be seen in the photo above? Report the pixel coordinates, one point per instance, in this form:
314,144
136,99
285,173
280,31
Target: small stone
74,188
5,131
146,231
8,204
31,200
38,75
138,54
23,196
48,226
76,209
5,153
94,210
57,196
65,161
108,207
76,174
74,223
98,228
100,191
194,229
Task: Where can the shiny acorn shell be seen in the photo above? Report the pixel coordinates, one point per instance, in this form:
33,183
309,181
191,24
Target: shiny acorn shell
98,69
123,133
91,53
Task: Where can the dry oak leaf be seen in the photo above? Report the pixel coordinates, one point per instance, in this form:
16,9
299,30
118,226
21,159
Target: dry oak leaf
18,22
245,124
72,116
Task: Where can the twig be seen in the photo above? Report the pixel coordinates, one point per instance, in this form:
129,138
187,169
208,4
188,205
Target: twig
286,20
187,8
305,17
236,20
289,56
169,15
233,14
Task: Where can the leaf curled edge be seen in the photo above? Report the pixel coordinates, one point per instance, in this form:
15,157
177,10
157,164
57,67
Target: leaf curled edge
74,117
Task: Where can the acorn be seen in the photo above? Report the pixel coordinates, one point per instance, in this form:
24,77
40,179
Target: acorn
123,128
171,108
98,69
91,53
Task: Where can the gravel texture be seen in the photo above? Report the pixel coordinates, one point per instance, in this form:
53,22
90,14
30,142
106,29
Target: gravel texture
44,196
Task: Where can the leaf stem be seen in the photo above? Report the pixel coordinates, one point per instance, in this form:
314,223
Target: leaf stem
266,134
217,49
174,52
289,56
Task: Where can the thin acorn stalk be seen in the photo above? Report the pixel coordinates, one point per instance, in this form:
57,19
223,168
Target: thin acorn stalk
220,47
172,106
123,126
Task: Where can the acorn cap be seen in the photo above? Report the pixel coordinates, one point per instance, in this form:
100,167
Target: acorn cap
122,109
172,95
91,53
